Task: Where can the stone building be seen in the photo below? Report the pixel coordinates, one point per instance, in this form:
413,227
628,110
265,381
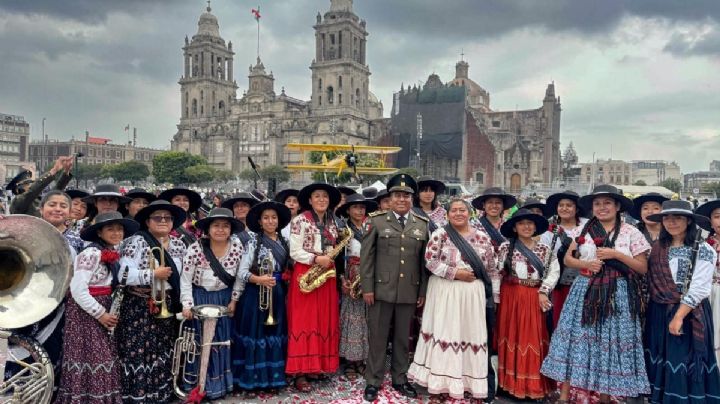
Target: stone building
14,142
464,139
225,129
95,150
616,172
652,172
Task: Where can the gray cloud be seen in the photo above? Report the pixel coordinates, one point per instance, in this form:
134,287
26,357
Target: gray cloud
685,44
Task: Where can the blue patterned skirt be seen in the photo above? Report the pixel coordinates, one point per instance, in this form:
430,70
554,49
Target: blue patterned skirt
219,373
259,350
606,358
670,359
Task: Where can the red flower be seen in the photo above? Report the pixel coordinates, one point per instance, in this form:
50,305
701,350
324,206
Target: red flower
598,241
109,257
580,240
552,227
711,241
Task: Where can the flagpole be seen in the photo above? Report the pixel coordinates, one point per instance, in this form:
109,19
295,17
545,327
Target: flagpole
258,33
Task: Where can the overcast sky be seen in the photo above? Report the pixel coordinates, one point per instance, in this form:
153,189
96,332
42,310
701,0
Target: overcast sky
641,75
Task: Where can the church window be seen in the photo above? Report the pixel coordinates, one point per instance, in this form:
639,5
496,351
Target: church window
320,100
340,82
330,94
340,54
339,99
319,84
202,95
332,39
202,110
194,107
213,110
254,86
357,97
496,124
221,107
480,178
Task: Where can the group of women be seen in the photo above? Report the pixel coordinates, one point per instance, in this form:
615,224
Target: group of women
580,302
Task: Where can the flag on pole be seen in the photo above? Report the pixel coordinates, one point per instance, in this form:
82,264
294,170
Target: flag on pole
256,13
127,128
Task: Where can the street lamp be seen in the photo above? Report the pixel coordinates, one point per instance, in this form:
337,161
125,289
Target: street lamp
419,140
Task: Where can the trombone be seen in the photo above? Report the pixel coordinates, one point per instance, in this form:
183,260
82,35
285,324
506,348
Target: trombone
161,298
267,267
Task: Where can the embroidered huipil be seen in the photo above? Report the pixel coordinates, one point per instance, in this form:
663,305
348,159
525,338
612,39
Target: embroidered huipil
716,274
569,274
135,254
89,272
522,270
73,238
701,282
438,216
305,238
443,258
196,270
243,275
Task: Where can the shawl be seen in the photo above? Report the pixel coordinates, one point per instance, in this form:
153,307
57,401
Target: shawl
494,233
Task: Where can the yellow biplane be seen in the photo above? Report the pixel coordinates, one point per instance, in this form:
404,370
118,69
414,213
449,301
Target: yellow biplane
345,159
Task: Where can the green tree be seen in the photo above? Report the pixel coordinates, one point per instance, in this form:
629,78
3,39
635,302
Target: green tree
224,175
712,187
84,172
247,175
132,171
198,174
671,184
275,171
640,183
170,166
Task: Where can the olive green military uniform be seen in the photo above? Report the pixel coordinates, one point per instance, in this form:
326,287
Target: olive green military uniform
392,267
28,203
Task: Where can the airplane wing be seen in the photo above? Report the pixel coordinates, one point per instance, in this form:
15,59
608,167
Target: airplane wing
341,147
332,169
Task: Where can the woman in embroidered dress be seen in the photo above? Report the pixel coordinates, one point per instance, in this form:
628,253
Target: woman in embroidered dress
313,327
55,209
529,273
353,311
201,284
288,197
567,222
145,342
240,205
90,368
426,203
81,210
711,210
682,367
644,206
259,348
452,354
190,201
597,344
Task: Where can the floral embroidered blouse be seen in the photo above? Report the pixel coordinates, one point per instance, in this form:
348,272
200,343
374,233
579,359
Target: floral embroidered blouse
523,270
443,258
136,255
243,275
89,272
438,216
196,270
305,238
716,245
701,282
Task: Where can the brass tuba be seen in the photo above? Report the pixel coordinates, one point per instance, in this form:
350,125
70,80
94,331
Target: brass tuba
35,271
316,276
187,347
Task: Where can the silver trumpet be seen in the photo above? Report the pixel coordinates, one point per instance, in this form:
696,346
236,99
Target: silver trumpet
186,348
267,267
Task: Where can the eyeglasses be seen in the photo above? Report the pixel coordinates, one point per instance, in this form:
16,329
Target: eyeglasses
158,219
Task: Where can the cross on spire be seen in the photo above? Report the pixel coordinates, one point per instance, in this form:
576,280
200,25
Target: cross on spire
208,7
462,51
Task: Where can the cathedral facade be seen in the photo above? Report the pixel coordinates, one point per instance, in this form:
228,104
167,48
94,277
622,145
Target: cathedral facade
227,129
463,139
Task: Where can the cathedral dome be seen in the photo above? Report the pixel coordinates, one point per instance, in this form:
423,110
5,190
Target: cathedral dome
208,24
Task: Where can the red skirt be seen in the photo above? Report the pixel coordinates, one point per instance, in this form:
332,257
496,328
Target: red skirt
559,295
313,327
523,342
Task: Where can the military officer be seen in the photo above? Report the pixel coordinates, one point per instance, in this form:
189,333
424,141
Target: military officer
28,192
393,282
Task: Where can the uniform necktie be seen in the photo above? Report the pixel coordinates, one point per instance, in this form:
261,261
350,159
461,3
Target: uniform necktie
401,219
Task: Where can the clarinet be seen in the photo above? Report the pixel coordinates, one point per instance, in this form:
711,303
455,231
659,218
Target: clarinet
693,257
551,251
118,298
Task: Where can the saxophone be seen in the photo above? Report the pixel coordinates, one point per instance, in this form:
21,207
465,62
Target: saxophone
316,276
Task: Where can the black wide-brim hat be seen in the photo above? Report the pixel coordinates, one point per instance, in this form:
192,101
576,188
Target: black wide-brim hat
304,195
402,183
552,202
381,194
22,176
707,208
357,199
107,190
246,197
494,192
90,233
217,214
508,228
177,213
193,197
347,191
680,208
609,191
640,200
77,193
286,193
532,203
253,217
426,181
141,193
